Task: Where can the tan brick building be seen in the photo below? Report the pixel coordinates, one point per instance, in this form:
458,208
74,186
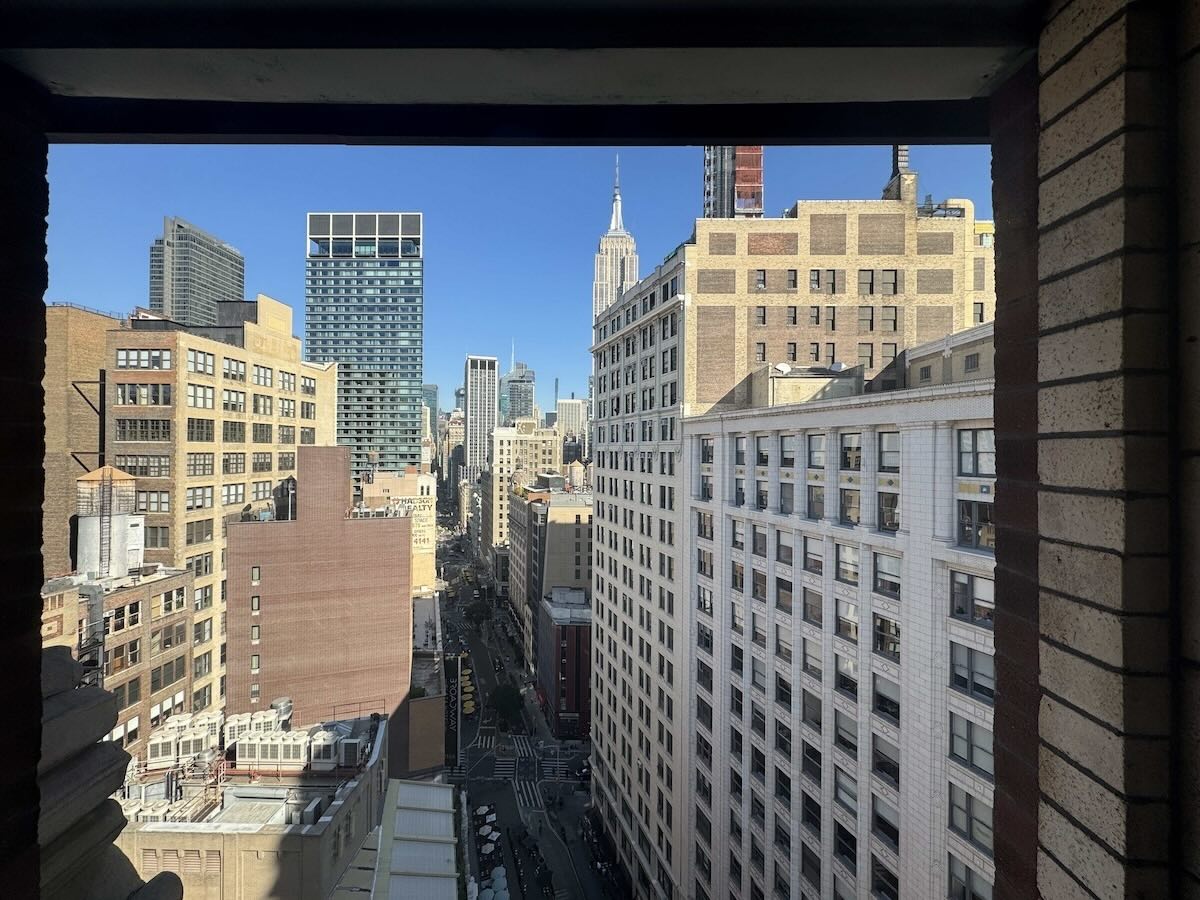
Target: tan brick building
519,452
75,354
834,281
209,421
130,624
550,545
417,492
320,607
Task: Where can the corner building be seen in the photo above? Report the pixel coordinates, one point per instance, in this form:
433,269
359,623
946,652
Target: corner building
209,421
851,282
840,632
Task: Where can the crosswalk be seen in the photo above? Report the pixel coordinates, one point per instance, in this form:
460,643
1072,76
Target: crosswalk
485,741
506,767
554,768
523,745
528,795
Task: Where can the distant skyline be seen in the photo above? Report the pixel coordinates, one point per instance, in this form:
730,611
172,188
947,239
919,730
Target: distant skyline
510,232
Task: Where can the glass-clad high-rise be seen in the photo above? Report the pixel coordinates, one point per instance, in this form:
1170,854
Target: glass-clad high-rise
191,272
364,309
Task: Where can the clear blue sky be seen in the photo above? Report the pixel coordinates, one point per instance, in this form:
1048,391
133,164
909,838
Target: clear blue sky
510,233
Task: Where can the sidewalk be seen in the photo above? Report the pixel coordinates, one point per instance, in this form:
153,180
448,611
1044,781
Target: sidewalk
570,818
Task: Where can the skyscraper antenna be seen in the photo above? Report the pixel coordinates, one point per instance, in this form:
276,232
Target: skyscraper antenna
512,360
615,223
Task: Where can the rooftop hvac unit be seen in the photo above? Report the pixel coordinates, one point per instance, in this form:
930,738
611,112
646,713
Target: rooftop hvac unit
193,743
351,752
264,720
211,723
283,706
323,751
162,750
179,722
294,751
235,726
248,747
281,751
154,811
132,808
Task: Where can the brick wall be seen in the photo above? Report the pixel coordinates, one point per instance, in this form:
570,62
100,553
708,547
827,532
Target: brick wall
935,281
318,571
772,242
722,244
716,281
933,243
827,234
881,233
75,352
1088,802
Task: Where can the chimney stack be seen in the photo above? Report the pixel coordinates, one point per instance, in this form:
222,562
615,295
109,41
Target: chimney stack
903,183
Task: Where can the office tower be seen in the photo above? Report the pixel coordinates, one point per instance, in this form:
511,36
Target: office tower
733,182
209,420
75,345
840,557
480,406
572,421
517,394
191,271
374,333
429,396
658,360
451,451
519,453
616,259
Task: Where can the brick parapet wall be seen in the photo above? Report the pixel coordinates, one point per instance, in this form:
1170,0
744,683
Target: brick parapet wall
1105,606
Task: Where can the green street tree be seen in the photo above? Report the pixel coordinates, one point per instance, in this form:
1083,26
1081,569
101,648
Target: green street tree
477,613
506,701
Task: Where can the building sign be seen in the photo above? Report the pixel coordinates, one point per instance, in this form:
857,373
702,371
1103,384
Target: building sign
452,667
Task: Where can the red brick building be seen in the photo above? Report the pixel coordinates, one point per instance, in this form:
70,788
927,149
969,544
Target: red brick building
564,662
320,607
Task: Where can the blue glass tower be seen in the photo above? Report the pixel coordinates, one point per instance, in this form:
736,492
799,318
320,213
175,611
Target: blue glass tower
364,309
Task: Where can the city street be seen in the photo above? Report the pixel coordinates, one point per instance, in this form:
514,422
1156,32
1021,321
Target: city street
532,780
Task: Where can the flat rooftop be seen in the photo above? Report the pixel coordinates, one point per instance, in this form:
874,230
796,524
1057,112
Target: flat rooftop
418,843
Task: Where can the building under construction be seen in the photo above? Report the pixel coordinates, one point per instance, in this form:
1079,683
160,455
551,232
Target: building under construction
733,182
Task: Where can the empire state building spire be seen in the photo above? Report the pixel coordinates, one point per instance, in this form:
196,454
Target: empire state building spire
615,223
616,258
